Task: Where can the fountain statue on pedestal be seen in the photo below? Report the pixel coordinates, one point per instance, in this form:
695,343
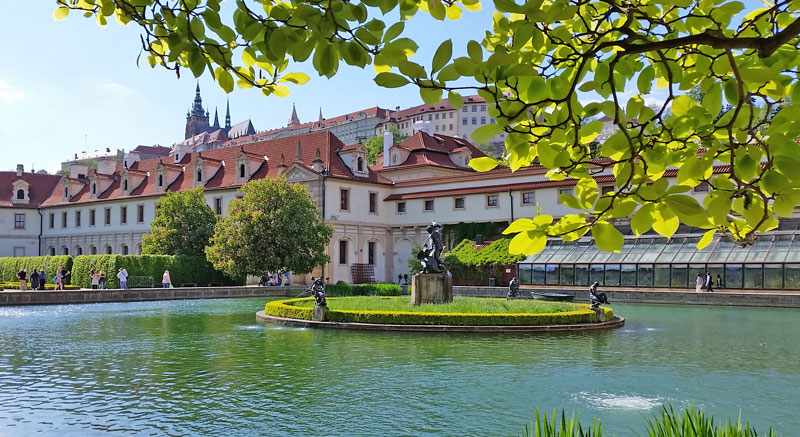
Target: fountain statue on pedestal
596,297
431,254
513,288
434,284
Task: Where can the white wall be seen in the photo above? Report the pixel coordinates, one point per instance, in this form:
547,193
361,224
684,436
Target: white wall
19,242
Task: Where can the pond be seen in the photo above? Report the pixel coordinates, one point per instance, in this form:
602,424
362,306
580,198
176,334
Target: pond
206,367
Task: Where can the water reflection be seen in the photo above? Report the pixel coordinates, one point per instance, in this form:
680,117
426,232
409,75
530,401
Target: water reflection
206,367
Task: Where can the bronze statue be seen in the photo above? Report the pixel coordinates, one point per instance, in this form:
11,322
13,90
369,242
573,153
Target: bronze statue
431,254
318,291
513,288
595,297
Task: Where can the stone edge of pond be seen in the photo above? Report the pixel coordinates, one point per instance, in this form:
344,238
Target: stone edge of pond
616,322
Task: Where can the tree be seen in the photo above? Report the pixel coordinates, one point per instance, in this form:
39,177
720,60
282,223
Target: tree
275,227
184,223
374,145
543,68
42,171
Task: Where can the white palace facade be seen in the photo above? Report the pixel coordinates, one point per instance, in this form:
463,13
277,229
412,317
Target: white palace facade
378,213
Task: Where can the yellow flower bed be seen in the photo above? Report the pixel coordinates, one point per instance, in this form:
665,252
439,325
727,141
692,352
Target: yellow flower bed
286,309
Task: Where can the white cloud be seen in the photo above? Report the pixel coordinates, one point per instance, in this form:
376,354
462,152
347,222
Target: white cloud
9,94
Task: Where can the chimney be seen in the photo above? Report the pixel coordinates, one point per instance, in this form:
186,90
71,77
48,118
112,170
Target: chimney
20,170
388,142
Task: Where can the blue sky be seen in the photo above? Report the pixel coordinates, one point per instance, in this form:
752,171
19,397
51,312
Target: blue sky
68,86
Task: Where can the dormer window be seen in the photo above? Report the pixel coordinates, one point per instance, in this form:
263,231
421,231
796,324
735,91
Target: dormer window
66,191
94,188
20,194
394,159
125,184
160,180
241,171
360,164
199,175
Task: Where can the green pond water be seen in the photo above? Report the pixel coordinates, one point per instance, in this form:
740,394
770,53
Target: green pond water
206,367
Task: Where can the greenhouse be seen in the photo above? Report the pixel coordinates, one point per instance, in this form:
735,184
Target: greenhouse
772,262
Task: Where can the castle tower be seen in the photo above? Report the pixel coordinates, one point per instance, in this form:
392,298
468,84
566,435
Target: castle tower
197,117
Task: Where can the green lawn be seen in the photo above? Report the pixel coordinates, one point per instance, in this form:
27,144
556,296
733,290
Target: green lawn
460,305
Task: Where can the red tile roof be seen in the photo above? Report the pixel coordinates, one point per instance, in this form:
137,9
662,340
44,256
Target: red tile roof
430,150
225,176
40,187
152,150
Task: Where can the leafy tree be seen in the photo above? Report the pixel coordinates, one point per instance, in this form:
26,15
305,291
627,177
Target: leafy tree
275,227
532,67
374,145
42,171
183,225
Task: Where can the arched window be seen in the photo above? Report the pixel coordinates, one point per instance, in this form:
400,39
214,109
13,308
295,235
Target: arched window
21,194
78,250
52,251
199,175
241,171
160,180
65,250
125,184
93,250
108,249
360,165
94,188
124,249
139,249
66,191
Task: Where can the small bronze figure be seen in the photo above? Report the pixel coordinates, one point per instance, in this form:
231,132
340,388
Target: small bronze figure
431,254
596,297
318,291
513,288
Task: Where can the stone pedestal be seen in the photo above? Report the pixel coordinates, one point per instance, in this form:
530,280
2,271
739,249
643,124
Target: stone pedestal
320,314
601,314
431,288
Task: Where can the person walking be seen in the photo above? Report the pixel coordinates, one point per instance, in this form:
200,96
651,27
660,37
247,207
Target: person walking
34,280
287,282
23,279
165,280
42,279
95,277
709,283
719,281
123,279
60,278
698,283
125,272
101,282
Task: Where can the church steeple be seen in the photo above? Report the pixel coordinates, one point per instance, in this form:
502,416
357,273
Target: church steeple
227,114
216,119
197,117
320,115
294,121
197,107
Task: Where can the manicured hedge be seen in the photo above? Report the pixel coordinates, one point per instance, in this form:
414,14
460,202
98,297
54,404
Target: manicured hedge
342,289
48,287
10,266
286,309
182,269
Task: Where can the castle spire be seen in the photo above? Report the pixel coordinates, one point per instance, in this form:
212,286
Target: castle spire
294,121
227,114
216,119
197,107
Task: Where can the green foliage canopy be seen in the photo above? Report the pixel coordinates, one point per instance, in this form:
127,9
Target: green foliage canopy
184,223
374,145
275,227
531,66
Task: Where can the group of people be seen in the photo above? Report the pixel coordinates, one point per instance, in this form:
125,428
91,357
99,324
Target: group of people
706,282
98,278
38,278
275,279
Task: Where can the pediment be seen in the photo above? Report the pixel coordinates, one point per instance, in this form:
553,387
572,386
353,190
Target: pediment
297,173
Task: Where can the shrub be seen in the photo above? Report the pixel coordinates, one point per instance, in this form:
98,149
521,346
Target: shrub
48,286
10,266
343,289
182,269
285,309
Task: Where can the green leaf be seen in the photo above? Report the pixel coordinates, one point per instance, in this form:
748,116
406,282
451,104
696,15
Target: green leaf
682,104
666,222
486,132
520,225
442,56
60,13
431,96
708,237
296,78
607,237
391,80
643,219
527,243
224,79
645,80
484,163
688,210
455,99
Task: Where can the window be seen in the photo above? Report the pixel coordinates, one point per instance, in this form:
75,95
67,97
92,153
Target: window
428,205
464,121
94,188
474,120
437,116
125,184
199,175
241,171
66,191
437,128
64,219
458,203
463,109
451,126
77,219
492,200
483,120
606,189
20,194
528,198
218,205
124,249
373,203
51,251
108,249
344,200
52,220
19,221
371,253
342,251
108,216
451,115
91,218
430,117
139,213
160,180
123,215
474,108
703,187
401,207
483,108
565,191
360,165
